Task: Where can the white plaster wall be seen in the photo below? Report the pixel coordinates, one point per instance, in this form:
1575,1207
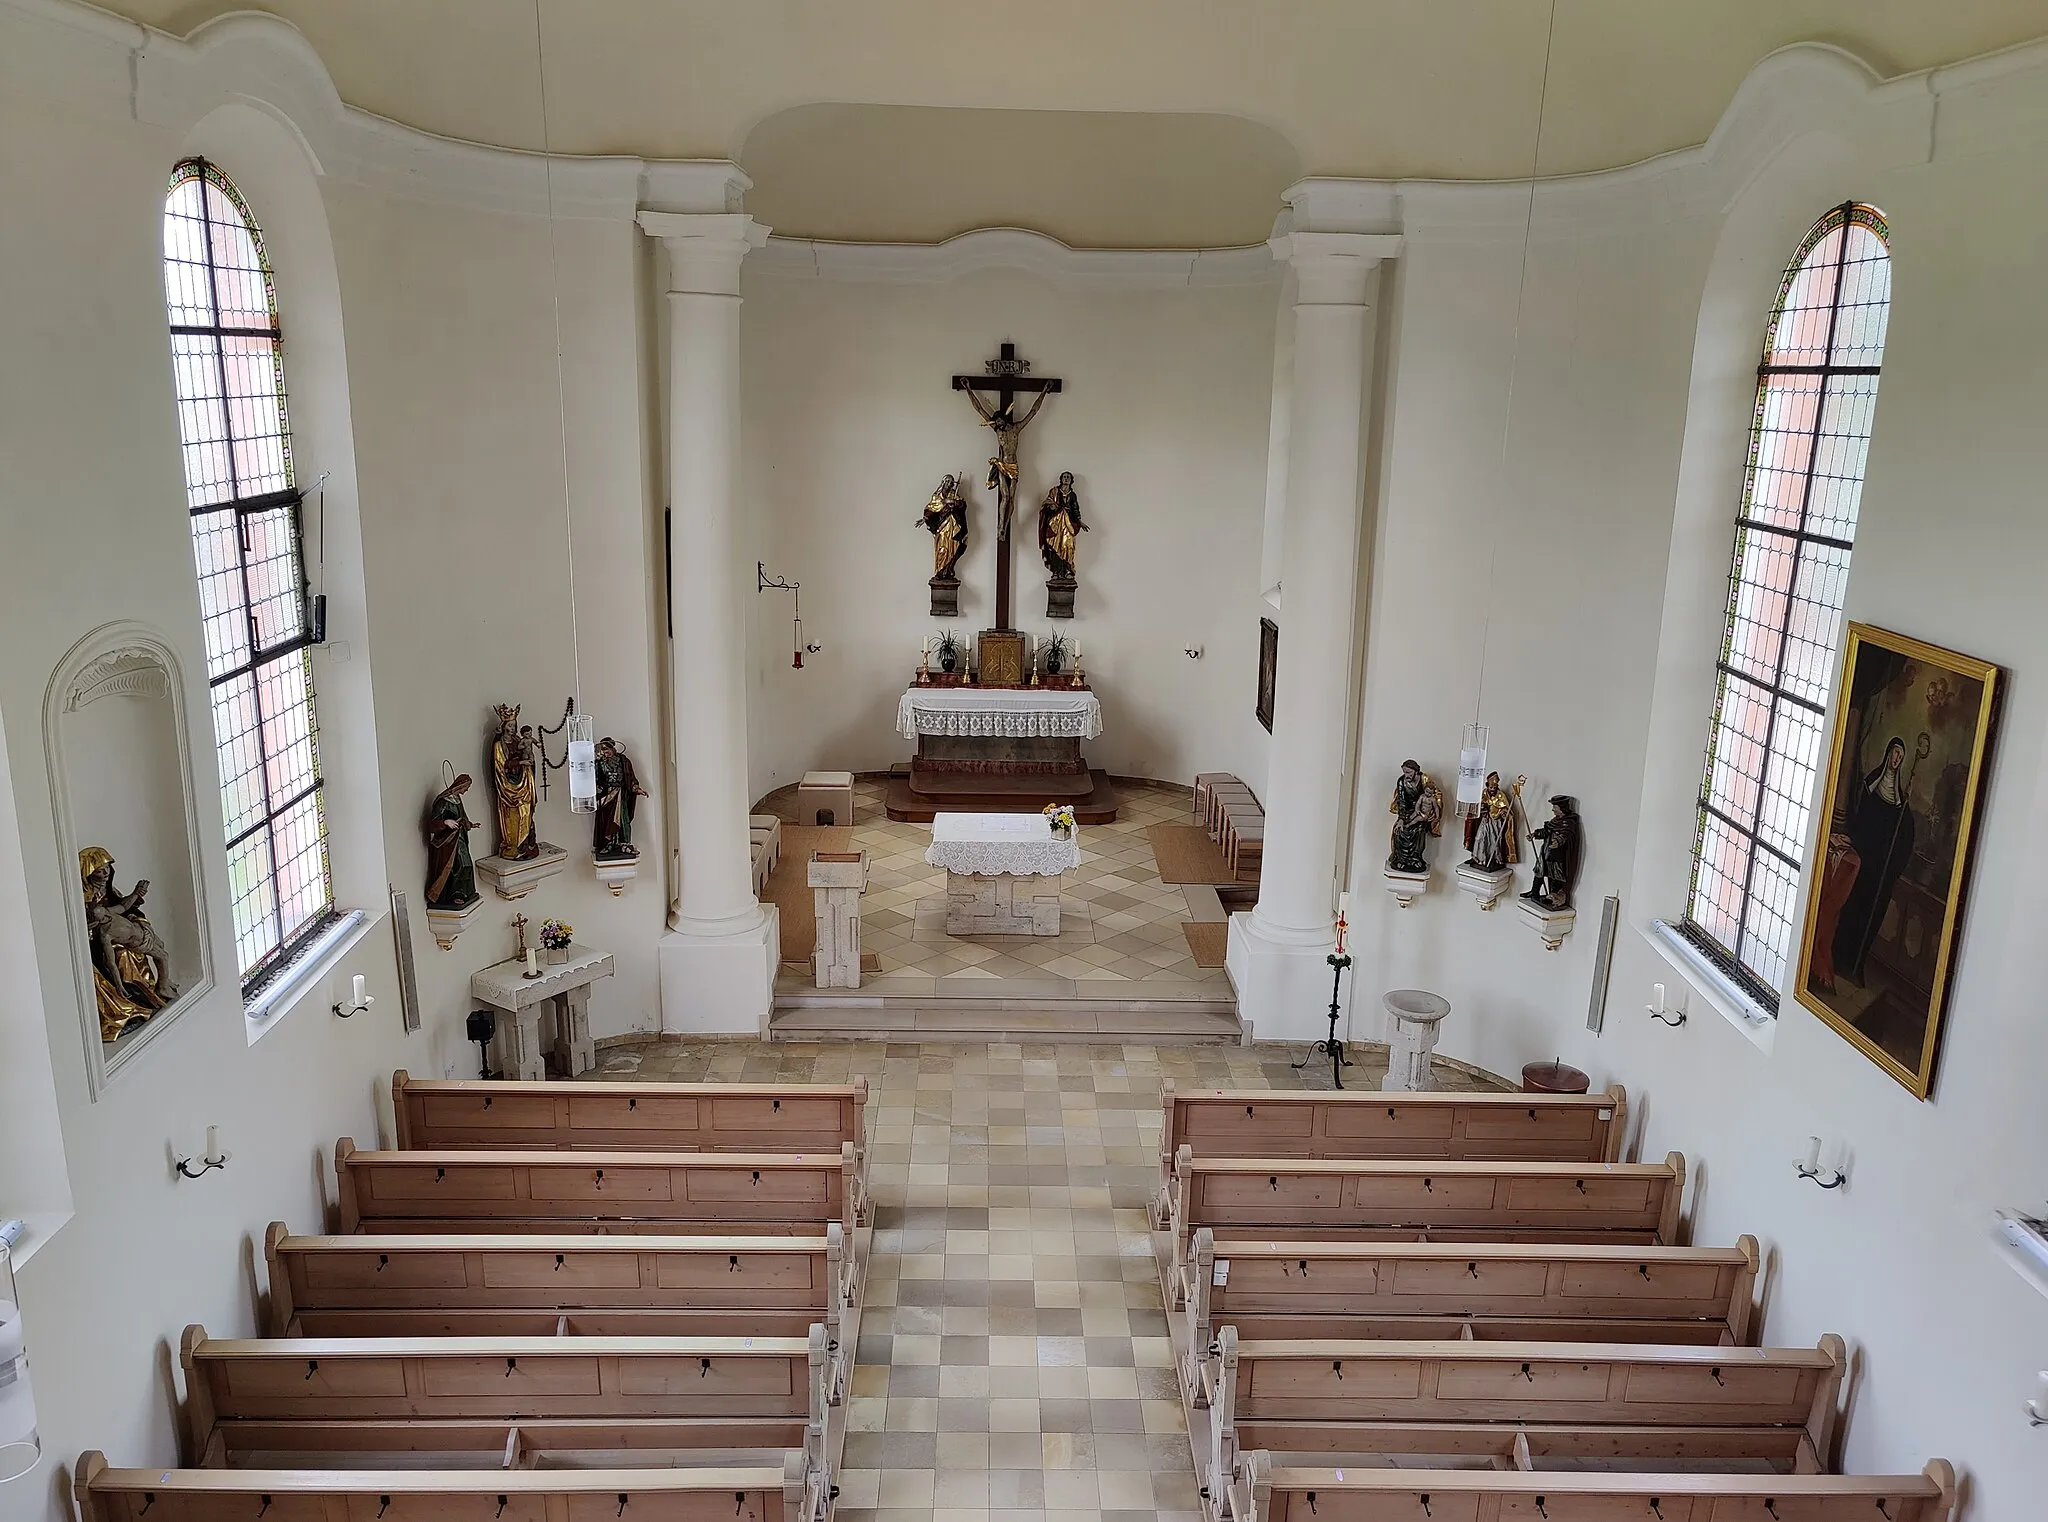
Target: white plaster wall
447,511
849,421
1594,606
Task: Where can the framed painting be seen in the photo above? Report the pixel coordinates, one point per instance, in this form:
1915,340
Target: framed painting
1913,731
1269,670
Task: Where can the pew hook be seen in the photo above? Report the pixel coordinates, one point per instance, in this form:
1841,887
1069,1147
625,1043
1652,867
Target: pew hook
1337,1367
148,1500
265,1506
312,1367
383,1505
501,1507
1527,1375
558,1263
1312,1501
1541,1509
383,1261
1657,1509
511,1364
703,1368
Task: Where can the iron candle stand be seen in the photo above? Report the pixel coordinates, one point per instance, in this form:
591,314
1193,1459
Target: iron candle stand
1338,960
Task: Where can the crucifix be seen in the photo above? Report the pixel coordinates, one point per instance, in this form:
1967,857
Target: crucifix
1006,376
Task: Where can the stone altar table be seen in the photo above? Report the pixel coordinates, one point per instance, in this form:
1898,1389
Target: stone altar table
1002,872
562,992
1000,749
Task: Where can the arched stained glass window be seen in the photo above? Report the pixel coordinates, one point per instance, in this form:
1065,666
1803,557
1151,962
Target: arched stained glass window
1816,391
227,355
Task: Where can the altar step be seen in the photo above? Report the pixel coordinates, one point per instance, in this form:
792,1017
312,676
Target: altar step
855,1014
998,794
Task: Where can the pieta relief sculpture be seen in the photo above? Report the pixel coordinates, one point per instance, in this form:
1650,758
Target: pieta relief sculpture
512,784
1418,810
618,795
131,968
1059,530
451,874
945,519
1557,841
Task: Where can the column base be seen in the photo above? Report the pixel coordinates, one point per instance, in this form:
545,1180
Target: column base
721,984
1283,987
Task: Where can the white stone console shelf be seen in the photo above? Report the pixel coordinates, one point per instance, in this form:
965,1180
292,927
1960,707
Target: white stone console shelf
561,993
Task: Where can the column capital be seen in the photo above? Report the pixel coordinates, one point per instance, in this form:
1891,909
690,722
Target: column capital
705,249
1331,269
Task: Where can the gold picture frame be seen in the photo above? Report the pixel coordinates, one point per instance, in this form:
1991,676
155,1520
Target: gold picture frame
1898,822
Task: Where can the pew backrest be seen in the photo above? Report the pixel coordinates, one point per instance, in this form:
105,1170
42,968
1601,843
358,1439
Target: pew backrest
1392,1200
1576,1291
403,1285
463,1114
504,1190
716,1494
384,1379
1265,1493
1285,1395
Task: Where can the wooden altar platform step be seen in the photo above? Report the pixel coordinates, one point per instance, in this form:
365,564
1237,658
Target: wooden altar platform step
999,794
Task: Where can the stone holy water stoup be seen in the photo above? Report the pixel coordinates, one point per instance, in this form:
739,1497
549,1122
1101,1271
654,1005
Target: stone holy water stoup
1413,1017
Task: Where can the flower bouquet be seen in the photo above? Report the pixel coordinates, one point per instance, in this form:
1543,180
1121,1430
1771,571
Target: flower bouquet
1061,817
555,936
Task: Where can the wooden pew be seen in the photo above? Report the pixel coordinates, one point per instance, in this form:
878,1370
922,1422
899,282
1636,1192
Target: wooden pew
660,1193
1404,1200
1584,1399
413,1395
531,1285
464,1114
1488,1291
410,1495
1265,1493
1559,1128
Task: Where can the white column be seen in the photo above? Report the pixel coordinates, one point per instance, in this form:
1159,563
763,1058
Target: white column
1277,951
718,961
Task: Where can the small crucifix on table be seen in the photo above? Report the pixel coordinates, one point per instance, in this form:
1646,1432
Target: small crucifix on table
1006,376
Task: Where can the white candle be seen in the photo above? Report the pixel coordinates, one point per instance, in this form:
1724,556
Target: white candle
532,962
356,990
213,1153
1813,1154
1343,906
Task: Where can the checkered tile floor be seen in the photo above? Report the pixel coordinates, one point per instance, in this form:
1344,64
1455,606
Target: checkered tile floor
1014,1363
1119,924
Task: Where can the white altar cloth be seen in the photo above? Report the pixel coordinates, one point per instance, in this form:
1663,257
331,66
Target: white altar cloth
991,845
1008,712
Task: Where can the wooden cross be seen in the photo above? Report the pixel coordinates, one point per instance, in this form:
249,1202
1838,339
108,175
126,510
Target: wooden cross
1006,376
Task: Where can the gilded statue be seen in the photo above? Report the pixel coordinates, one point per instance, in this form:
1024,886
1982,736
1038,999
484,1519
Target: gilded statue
1491,839
451,875
512,783
945,518
618,796
1060,527
1418,810
131,970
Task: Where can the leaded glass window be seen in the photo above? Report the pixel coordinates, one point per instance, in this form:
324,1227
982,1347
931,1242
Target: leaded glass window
227,356
1816,391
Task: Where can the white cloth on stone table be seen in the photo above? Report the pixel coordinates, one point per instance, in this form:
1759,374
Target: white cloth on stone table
992,845
1003,712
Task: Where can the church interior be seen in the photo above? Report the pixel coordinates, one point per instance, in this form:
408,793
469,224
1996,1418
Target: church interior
875,761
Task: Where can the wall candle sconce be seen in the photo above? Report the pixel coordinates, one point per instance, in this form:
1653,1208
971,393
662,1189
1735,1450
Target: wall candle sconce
215,1157
20,1447
357,1000
1810,1168
1662,1012
2037,1408
763,582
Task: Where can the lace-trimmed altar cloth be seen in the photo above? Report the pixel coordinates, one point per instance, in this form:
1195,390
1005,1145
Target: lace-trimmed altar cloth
992,845
1005,712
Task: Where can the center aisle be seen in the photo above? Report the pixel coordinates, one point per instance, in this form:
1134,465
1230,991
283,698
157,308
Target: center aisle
1014,1362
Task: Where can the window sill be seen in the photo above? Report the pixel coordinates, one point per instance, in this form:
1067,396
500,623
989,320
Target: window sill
264,1012
1758,1025
37,1229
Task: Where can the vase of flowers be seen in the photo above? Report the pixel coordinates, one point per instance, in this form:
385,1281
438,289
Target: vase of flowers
1060,816
555,936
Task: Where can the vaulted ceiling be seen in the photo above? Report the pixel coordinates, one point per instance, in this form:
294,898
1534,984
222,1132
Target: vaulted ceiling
1252,89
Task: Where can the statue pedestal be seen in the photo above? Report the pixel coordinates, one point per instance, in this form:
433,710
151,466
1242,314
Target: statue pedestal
447,924
1488,887
617,871
1406,887
836,887
945,596
1552,924
516,879
1059,597
1416,1015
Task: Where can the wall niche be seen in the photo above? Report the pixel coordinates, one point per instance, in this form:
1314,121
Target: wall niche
116,734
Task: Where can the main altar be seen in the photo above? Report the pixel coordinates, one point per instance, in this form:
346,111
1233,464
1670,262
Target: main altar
999,750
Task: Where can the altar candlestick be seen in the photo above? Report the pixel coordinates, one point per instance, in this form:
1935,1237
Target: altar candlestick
532,963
